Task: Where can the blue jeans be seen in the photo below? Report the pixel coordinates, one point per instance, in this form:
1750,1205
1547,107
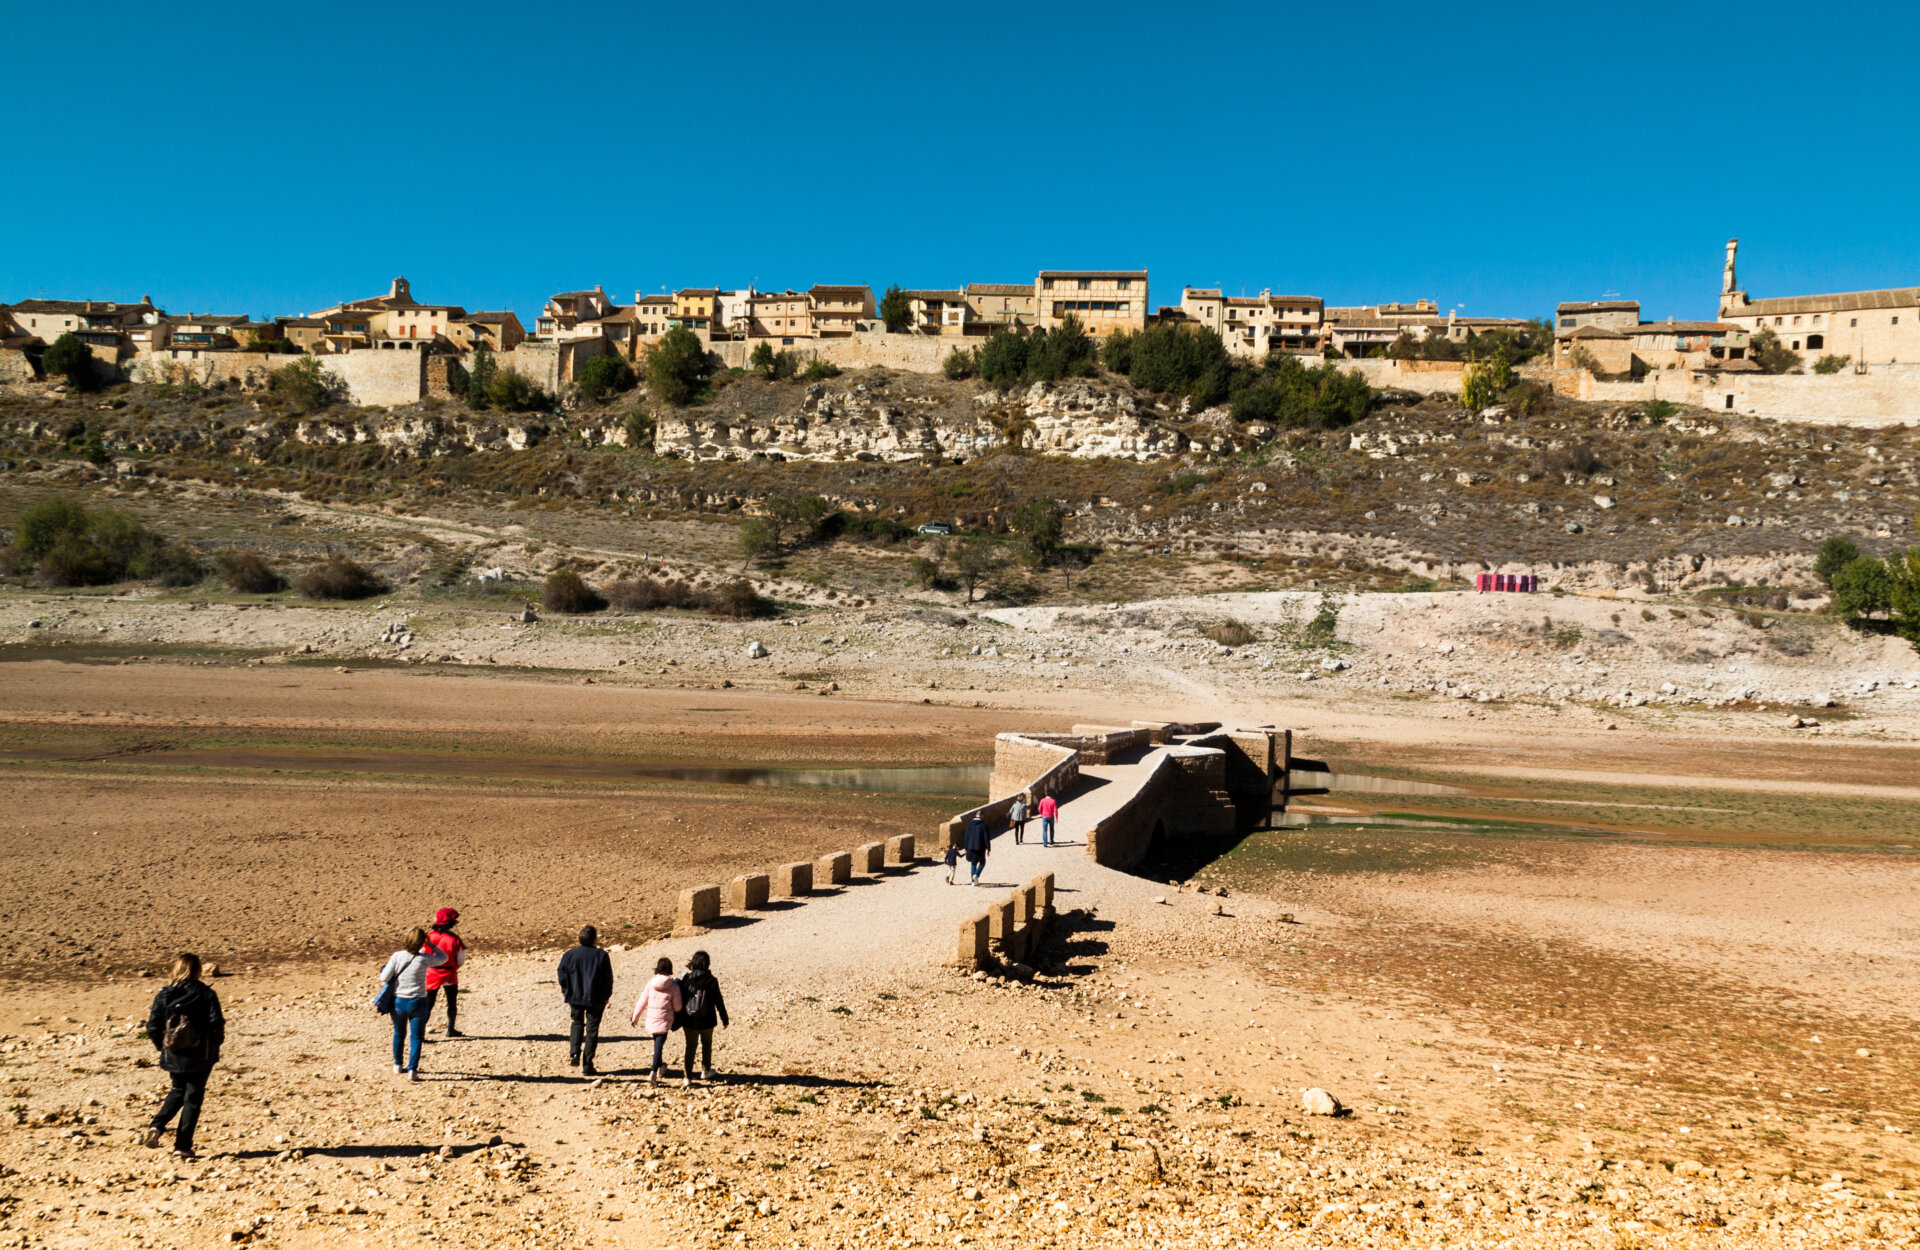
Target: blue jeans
410,1022
1046,831
974,866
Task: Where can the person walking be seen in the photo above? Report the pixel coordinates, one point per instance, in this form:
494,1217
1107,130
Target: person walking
978,845
446,977
704,1005
1017,817
660,1004
1048,810
586,983
953,861
407,970
186,1026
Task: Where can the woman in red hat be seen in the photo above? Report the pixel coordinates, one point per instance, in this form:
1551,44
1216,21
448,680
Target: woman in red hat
447,976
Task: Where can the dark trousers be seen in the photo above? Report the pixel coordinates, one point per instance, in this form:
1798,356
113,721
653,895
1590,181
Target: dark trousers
584,1040
660,1051
704,1038
1019,832
453,1004
184,1099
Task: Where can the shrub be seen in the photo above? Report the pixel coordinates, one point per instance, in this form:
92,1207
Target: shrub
1002,359
1062,352
1659,410
1040,523
1573,458
1230,633
1835,554
678,367
1766,350
340,578
485,368
639,428
305,386
976,559
759,538
818,370
1116,354
66,544
602,377
248,573
1166,359
510,392
647,594
75,361
1863,588
273,347
896,311
960,364
738,599
566,591
1831,364
1291,394
760,359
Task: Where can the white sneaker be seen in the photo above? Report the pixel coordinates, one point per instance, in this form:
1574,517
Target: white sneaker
414,1075
706,1074
398,1070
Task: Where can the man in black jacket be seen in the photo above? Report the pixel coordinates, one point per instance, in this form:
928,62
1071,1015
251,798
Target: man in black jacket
586,983
186,1026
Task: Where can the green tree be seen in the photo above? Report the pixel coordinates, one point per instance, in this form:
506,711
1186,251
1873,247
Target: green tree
1040,524
976,559
1835,554
960,363
75,361
1002,359
1863,588
1169,359
306,386
1290,394
1831,364
758,539
819,370
604,376
1116,354
1065,351
511,392
760,360
896,310
480,377
679,367
1773,356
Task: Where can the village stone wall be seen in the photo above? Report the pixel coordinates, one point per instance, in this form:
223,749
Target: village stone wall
915,353
14,366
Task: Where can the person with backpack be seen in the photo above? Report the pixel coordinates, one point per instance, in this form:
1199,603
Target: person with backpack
586,983
406,974
1048,810
186,1026
1017,817
660,1004
446,977
704,1004
978,845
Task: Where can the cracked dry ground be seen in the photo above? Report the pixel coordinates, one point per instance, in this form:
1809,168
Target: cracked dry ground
1543,1041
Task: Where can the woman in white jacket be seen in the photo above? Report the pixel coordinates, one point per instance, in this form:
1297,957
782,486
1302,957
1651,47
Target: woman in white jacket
407,969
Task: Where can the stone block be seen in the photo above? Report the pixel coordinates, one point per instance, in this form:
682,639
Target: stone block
1000,920
750,891
1018,943
699,906
1023,908
834,869
870,858
900,849
973,942
1043,885
793,880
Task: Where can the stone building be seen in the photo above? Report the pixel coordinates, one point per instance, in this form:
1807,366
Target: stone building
564,314
495,331
837,311
695,308
939,312
1609,314
107,327
992,305
782,315
1873,327
1253,326
1356,331
1106,301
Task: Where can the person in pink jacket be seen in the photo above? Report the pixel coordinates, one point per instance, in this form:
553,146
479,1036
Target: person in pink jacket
659,1003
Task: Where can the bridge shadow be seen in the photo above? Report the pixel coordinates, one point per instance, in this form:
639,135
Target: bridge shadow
355,1152
1074,944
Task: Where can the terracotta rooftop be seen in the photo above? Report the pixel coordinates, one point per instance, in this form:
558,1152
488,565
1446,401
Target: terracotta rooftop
1846,301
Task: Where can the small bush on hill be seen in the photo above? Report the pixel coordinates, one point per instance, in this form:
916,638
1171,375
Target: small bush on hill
340,578
1766,350
818,370
1230,633
1835,554
603,377
510,392
248,573
647,594
960,364
739,600
305,386
1831,364
66,544
566,591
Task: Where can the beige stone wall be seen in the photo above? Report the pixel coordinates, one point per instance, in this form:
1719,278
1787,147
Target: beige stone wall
380,379
1887,396
1428,377
914,353
14,366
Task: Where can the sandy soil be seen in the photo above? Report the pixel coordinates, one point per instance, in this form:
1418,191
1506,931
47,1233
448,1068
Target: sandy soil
1542,1039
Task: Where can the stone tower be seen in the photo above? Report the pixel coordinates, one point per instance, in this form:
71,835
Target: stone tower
1731,296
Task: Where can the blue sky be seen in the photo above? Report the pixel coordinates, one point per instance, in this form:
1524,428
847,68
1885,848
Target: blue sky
1500,157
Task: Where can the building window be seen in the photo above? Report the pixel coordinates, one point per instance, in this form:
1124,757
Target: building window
1796,321
1816,341
1895,321
1779,321
1852,322
1126,284
1816,318
1046,284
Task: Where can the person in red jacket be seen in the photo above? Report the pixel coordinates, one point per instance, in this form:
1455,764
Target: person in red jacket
447,976
1048,811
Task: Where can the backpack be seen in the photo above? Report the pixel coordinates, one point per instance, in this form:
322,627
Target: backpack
696,1001
181,1037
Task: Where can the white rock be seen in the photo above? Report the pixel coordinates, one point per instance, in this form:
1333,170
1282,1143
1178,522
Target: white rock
1603,501
755,651
1319,1102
